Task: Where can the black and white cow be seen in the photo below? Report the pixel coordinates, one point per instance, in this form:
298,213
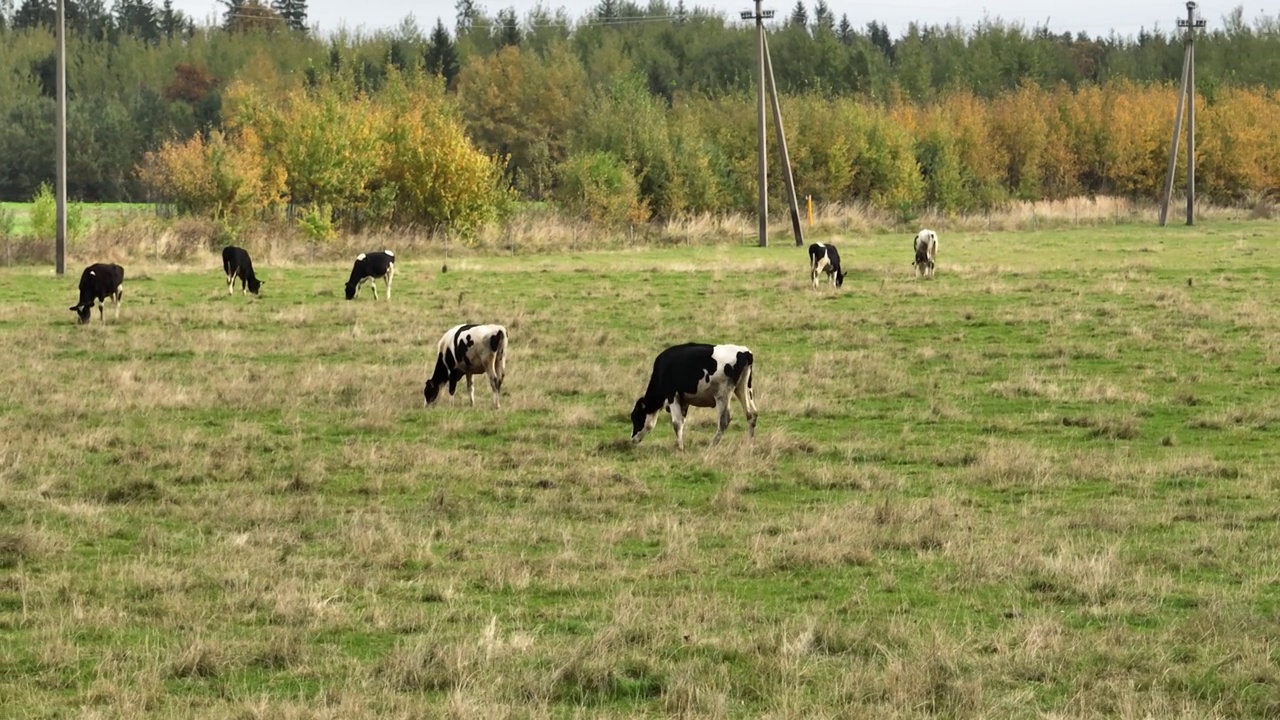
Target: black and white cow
368,268
825,259
697,375
467,350
926,247
236,263
97,283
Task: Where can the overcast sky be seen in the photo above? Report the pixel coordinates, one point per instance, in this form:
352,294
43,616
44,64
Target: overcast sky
1096,17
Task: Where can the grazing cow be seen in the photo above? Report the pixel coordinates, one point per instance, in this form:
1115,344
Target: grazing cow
97,283
236,263
926,246
467,350
699,375
368,268
825,259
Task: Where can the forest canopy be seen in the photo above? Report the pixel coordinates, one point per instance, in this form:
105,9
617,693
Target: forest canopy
625,114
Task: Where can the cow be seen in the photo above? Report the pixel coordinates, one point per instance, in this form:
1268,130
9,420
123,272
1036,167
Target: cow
368,268
825,259
698,375
926,247
236,263
97,283
466,350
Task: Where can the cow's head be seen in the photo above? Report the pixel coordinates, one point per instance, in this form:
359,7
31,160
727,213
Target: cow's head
83,313
839,278
351,291
642,421
255,286
430,392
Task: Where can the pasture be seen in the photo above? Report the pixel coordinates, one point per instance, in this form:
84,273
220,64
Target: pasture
1043,484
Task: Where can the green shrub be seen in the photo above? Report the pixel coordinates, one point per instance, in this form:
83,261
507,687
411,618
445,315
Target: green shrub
316,222
599,187
44,215
8,222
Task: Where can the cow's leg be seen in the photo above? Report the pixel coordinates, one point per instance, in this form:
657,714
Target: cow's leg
373,283
722,409
813,275
677,423
471,390
390,272
748,401
119,295
495,383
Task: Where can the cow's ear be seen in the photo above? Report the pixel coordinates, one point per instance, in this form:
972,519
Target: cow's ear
74,308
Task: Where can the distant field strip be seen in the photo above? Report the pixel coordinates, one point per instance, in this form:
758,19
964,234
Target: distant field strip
1043,484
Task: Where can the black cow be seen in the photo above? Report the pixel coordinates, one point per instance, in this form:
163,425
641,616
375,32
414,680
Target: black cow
368,268
236,263
825,259
97,283
698,375
467,350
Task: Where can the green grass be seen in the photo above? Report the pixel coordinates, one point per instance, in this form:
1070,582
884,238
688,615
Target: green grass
1041,485
94,213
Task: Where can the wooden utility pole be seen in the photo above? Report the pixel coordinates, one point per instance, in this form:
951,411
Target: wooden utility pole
60,233
1191,24
1186,99
782,146
762,205
1173,148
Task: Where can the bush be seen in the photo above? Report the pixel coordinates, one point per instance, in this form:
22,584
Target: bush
597,186
44,215
316,222
8,222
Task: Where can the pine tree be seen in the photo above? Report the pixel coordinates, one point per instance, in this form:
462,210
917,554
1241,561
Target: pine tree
137,18
34,13
845,31
442,54
799,15
880,38
607,10
247,15
468,12
294,13
507,30
172,23
823,20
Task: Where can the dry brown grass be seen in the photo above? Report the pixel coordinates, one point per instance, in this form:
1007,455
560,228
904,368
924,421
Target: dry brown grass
192,241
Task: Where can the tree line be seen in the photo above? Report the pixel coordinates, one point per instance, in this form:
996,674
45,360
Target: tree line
628,112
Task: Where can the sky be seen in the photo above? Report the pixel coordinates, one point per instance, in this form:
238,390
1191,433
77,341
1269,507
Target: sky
1096,17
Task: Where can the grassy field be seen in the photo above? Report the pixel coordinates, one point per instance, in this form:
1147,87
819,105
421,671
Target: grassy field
1042,485
93,213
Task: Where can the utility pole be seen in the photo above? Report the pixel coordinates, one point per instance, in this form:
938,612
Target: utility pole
60,242
1187,100
1191,24
782,146
1173,149
762,206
